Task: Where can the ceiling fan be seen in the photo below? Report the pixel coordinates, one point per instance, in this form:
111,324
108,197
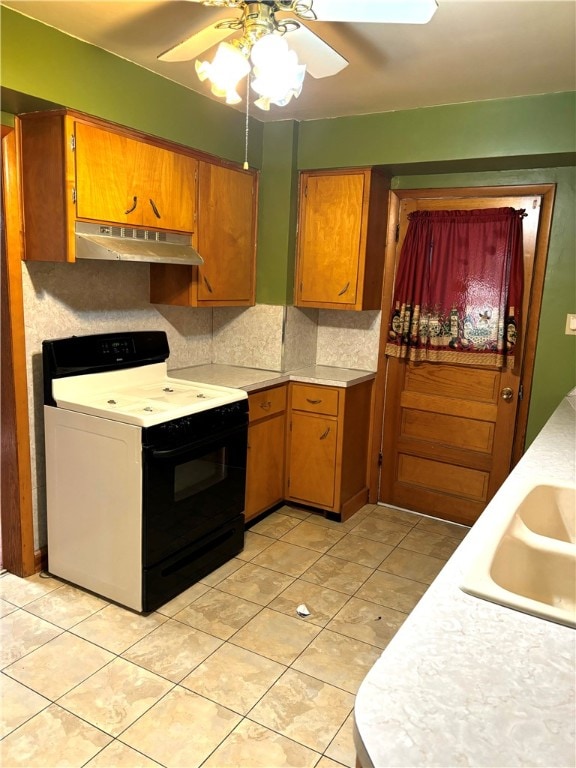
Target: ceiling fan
270,42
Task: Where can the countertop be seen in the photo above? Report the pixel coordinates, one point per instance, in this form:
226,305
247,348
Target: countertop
253,379
466,682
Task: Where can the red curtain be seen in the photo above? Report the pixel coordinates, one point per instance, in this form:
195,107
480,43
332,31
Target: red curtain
459,286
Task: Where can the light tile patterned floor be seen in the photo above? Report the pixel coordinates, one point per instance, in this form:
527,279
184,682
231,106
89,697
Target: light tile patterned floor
227,674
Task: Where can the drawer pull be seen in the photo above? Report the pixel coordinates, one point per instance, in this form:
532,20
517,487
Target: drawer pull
325,434
207,284
343,291
156,212
266,406
313,402
134,204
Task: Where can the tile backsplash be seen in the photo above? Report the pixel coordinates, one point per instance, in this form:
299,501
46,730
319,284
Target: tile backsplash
348,339
249,337
91,297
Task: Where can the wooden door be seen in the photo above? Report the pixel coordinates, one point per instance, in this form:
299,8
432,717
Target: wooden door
330,234
106,183
167,188
17,524
449,430
226,235
265,467
312,459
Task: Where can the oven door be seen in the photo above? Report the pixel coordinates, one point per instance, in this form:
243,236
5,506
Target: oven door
191,492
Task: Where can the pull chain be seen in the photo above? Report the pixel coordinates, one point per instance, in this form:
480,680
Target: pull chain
246,166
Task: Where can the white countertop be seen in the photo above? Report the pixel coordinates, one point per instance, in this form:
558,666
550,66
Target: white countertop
252,379
466,682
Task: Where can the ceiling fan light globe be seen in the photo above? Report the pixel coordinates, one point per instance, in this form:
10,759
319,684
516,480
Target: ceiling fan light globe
228,67
233,97
269,51
202,69
263,103
283,100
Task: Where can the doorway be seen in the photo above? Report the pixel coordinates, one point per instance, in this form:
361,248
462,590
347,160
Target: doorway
451,434
15,482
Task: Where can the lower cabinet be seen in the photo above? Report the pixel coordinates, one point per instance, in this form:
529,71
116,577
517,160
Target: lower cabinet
327,446
308,444
266,441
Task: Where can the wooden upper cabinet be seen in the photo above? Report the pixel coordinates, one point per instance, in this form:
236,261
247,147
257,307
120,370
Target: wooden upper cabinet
226,234
341,238
227,215
127,181
79,168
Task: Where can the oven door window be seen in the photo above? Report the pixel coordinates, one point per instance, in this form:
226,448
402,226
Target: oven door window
197,475
190,492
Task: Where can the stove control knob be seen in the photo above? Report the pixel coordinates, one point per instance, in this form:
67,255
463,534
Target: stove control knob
167,389
111,402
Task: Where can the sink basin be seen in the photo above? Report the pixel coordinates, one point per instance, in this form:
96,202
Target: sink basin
528,561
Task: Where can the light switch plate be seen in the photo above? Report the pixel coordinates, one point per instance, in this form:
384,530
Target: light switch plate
571,325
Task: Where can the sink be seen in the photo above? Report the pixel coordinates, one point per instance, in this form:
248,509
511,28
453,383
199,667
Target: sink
550,511
528,560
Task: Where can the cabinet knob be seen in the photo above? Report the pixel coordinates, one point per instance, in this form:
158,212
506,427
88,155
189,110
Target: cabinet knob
343,291
266,405
134,204
207,283
313,402
325,434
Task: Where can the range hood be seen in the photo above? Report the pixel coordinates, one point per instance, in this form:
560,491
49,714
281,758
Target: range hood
111,242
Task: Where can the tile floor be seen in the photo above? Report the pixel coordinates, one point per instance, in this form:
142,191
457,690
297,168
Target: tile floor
227,674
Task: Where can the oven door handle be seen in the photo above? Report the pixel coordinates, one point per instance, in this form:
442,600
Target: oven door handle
215,440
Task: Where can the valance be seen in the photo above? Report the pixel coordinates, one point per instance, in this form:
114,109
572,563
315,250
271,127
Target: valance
458,292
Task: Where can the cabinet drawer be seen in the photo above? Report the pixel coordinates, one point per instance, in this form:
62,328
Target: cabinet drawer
267,402
315,399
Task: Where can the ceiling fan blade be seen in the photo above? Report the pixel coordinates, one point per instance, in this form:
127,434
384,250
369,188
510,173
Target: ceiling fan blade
196,44
375,11
321,59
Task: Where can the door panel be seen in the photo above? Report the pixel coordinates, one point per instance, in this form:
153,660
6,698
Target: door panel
456,432
226,216
265,470
442,476
448,433
312,460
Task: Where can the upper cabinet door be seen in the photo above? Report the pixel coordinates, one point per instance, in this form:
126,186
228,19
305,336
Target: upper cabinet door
226,234
106,187
341,238
167,185
330,237
125,181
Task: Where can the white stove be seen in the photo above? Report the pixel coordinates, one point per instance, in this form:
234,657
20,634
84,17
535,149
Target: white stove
142,396
145,473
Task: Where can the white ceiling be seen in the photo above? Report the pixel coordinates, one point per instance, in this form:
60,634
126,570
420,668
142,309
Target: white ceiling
471,50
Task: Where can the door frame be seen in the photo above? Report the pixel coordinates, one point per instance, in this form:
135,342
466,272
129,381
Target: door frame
16,482
547,193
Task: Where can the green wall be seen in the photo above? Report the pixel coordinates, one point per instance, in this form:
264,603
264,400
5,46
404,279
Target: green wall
523,140
487,133
278,213
37,61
